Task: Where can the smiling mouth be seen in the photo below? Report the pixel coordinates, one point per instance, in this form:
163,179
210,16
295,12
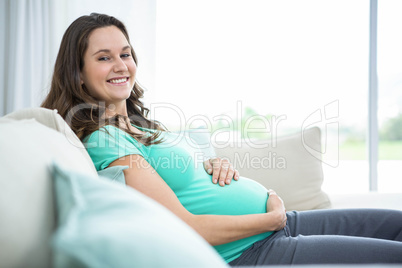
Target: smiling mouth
118,81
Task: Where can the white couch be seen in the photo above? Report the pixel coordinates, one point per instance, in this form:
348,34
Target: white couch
32,139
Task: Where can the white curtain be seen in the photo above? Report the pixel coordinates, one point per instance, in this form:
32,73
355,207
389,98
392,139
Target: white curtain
25,65
30,34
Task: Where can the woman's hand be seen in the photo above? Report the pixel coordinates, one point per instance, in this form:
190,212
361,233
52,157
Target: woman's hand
221,170
276,207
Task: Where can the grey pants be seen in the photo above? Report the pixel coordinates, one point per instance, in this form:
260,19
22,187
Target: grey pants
329,237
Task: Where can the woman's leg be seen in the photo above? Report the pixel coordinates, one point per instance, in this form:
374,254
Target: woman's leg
328,249
331,236
373,223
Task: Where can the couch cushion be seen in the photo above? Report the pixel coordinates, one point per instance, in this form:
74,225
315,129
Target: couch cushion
103,223
285,165
114,173
26,201
52,119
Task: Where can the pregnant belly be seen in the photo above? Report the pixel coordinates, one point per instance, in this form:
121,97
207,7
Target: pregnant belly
241,197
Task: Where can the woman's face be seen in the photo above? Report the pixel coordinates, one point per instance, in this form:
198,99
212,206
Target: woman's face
109,68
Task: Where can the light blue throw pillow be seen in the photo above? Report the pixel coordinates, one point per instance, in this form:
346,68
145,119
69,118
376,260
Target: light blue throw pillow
102,223
114,173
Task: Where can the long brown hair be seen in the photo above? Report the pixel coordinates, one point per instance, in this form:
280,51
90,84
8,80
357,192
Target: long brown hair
84,113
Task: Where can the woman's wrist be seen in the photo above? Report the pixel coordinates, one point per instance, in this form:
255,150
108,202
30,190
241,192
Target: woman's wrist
275,220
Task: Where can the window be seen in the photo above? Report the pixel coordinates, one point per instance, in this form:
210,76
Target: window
301,63
390,95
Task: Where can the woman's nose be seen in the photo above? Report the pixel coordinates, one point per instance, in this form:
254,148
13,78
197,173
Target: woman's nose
120,66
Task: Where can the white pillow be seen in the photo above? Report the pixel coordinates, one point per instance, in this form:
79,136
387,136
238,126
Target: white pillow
26,201
52,119
284,165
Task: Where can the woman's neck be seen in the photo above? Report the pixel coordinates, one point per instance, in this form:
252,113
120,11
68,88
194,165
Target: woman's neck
114,109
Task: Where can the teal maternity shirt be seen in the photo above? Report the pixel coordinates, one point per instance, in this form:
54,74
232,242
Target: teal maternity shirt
179,163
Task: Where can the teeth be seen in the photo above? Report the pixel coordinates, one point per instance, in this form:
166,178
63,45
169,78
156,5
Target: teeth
117,81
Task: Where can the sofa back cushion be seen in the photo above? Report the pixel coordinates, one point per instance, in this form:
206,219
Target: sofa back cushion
284,164
53,120
26,202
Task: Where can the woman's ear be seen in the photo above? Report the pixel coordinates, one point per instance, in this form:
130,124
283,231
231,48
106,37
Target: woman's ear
81,81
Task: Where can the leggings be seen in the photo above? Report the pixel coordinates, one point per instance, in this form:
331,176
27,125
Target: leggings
336,236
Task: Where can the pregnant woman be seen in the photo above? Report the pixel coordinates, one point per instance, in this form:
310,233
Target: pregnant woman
95,90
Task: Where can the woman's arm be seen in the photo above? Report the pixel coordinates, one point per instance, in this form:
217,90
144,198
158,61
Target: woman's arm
215,229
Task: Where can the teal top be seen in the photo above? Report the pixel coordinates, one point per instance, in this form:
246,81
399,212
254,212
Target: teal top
179,163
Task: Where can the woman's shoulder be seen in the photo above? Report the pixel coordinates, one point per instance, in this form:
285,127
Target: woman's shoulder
108,132
110,143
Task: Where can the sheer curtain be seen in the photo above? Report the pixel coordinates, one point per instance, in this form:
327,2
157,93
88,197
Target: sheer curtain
25,35
30,34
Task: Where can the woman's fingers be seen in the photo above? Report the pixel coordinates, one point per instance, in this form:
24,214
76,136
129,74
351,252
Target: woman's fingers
226,172
222,170
236,175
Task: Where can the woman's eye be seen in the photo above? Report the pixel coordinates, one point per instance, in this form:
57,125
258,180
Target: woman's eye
103,58
127,55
